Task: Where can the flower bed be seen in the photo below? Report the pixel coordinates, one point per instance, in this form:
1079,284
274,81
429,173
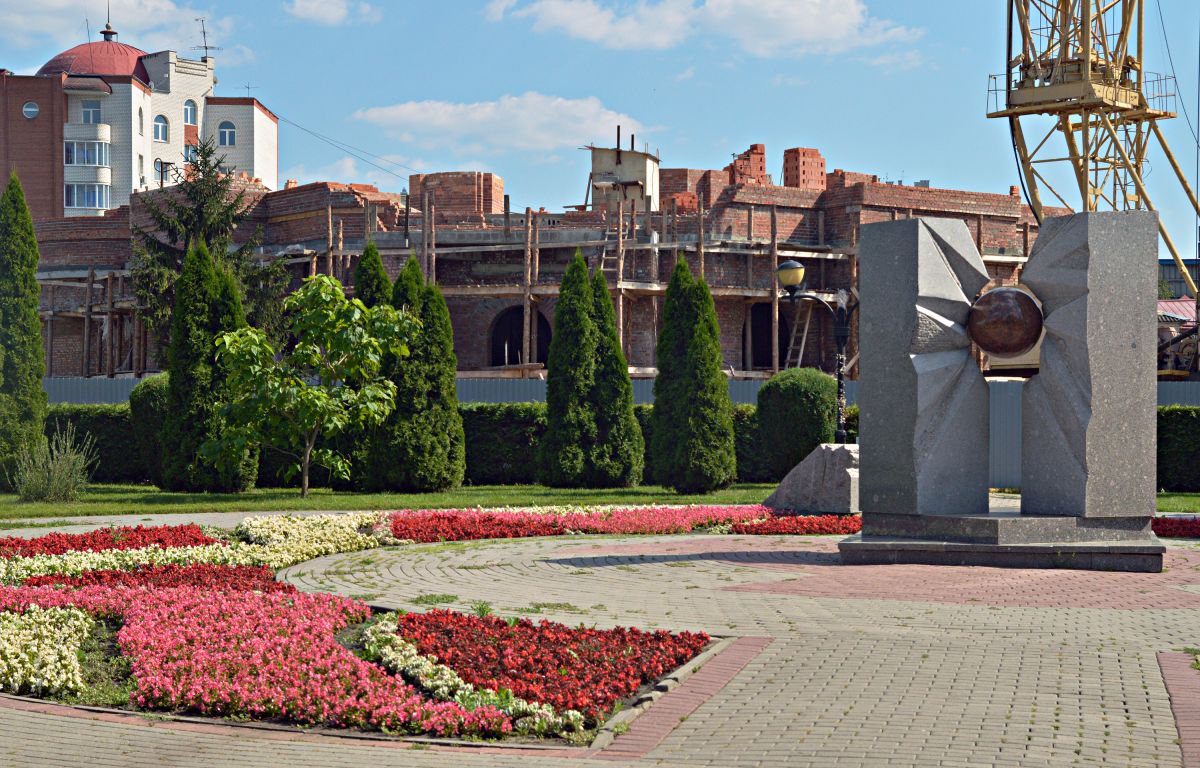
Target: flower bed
1176,527
39,650
221,578
105,539
587,670
800,525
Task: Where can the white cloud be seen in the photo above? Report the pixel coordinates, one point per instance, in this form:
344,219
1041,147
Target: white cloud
686,74
331,12
349,170
902,61
531,122
761,27
152,25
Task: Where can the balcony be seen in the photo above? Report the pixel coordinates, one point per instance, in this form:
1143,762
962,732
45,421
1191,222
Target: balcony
87,132
87,174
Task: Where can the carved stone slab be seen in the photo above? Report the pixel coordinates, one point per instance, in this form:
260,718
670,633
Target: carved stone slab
825,482
1088,417
924,417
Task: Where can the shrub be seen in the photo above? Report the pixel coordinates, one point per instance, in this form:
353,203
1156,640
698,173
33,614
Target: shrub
148,413
57,469
852,423
570,376
694,448
618,454
22,366
111,431
1179,448
206,304
420,447
502,441
797,411
371,283
751,458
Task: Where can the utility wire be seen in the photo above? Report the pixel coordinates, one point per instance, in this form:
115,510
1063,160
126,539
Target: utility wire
1171,61
353,151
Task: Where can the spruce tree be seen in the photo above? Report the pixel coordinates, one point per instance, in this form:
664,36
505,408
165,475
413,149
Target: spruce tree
692,444
207,302
618,454
22,366
421,446
571,373
371,283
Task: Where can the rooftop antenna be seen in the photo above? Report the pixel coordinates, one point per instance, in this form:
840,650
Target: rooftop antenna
204,35
248,87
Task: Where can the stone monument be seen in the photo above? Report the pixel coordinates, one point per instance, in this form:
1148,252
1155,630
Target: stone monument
1088,416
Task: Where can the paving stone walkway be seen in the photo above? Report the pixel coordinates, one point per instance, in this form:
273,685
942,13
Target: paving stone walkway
840,666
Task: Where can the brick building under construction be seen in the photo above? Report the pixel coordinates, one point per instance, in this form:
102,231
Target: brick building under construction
500,269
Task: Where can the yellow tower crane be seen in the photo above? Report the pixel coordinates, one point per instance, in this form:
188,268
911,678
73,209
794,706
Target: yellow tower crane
1076,69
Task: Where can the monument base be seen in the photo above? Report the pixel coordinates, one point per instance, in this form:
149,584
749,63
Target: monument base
1145,555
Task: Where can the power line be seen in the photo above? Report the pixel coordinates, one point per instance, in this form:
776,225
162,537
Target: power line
1171,61
354,152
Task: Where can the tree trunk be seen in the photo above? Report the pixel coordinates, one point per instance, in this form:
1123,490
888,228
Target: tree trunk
304,470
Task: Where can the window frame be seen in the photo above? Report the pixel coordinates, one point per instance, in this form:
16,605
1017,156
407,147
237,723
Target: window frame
227,127
161,121
190,106
91,112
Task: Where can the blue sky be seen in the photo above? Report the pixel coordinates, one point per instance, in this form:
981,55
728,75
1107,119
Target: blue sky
895,87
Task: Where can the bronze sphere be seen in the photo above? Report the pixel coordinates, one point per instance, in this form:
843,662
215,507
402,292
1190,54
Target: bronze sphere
1005,322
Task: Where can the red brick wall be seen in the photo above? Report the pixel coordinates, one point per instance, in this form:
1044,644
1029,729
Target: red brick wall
34,148
803,168
459,192
85,241
750,167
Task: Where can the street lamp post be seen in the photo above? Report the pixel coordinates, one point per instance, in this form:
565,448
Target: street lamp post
791,278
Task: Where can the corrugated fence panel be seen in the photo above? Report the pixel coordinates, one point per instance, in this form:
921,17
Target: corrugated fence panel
79,390
1179,393
1004,446
501,391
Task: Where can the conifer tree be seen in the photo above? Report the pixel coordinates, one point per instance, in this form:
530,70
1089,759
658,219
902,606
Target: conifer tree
207,303
421,446
618,454
22,366
372,285
692,442
571,373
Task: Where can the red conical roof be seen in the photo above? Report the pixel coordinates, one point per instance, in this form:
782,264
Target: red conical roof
104,57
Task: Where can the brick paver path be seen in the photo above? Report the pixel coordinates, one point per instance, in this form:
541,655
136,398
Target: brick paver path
843,666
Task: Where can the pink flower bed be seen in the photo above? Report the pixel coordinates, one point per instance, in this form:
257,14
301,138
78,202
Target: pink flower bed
263,656
102,539
801,525
431,525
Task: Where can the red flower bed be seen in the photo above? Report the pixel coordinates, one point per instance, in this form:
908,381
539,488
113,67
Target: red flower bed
106,538
801,525
588,670
432,525
1177,527
245,654
220,578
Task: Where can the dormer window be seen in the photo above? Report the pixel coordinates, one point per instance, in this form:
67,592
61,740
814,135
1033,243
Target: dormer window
162,129
189,112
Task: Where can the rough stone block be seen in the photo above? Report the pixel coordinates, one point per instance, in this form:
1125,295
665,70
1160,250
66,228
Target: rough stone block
1088,417
825,482
924,418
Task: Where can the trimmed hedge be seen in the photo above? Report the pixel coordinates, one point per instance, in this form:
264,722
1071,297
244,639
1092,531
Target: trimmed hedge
1179,448
148,410
503,441
799,412
111,429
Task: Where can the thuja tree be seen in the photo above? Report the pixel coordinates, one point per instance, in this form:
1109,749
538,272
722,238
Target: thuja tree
202,207
371,283
328,382
421,446
691,441
571,375
207,304
22,400
618,453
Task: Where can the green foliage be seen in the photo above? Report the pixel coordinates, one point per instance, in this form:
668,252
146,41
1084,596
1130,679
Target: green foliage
201,207
750,466
22,366
692,441
110,429
570,376
1164,289
371,282
421,447
328,382
206,305
502,441
409,286
148,414
1179,448
852,423
797,411
57,469
617,456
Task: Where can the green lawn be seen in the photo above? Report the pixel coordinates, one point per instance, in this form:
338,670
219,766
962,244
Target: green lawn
1178,503
142,500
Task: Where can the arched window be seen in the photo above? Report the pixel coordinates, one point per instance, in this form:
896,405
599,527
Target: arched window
189,112
162,129
506,342
226,134
141,122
